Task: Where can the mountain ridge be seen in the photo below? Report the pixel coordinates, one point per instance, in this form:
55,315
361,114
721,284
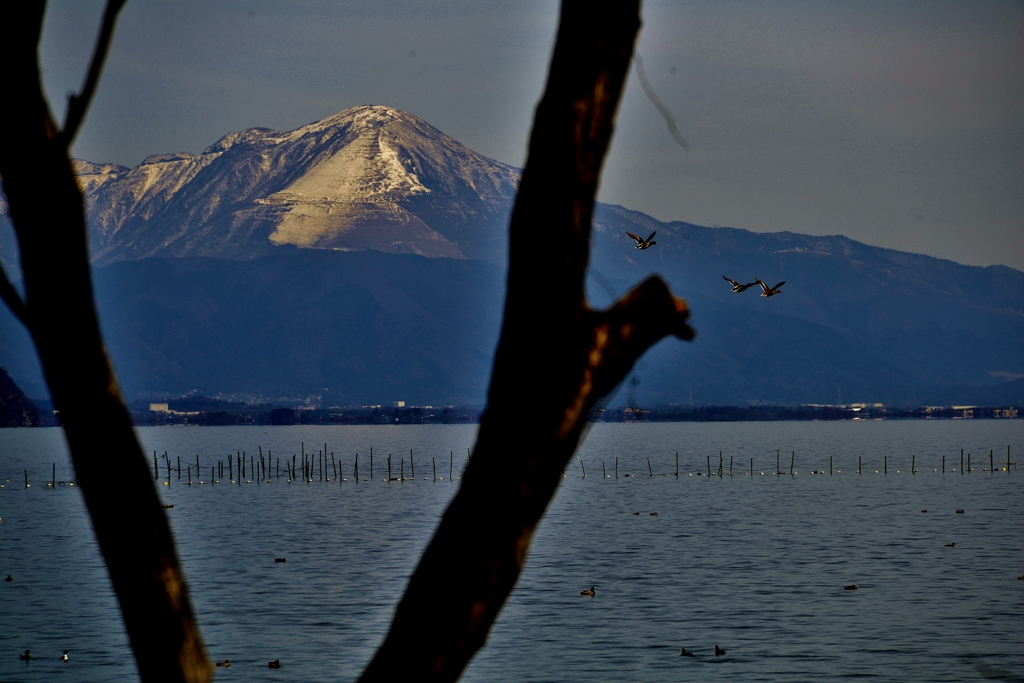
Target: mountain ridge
886,325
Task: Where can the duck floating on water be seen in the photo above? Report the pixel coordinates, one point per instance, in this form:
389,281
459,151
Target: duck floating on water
26,657
589,593
851,587
64,657
684,653
225,664
276,664
949,545
719,651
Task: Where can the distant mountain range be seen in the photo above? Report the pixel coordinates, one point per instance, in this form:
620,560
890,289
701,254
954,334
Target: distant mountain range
360,259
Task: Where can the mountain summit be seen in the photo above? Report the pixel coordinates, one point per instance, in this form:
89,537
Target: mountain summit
369,177
321,233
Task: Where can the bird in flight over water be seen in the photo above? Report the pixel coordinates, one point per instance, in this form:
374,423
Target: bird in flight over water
770,291
737,287
642,243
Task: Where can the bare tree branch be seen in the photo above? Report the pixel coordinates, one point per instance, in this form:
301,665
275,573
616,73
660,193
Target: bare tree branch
553,349
13,300
78,104
46,209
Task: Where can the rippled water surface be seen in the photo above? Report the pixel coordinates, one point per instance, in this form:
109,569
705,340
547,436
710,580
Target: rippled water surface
755,564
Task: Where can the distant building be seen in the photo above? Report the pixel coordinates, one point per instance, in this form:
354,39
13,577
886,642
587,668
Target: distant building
158,408
398,404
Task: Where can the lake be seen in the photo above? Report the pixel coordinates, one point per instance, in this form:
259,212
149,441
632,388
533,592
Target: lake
756,564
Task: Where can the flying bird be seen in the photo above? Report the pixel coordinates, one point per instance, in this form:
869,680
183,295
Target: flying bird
642,243
737,287
770,291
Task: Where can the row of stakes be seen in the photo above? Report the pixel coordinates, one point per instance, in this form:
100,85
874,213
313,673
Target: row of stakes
792,466
263,467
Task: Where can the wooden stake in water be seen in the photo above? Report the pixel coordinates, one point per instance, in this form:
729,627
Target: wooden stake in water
730,466
604,472
792,464
433,462
858,464
179,467
403,471
412,465
751,467
968,462
616,467
189,475
961,462
53,478
156,472
943,464
709,465
648,466
991,467
913,469
357,468
451,463
389,468
677,463
26,479
885,464
830,465
719,464
777,463
583,468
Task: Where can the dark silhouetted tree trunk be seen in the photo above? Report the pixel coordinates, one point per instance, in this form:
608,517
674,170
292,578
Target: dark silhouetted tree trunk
556,358
59,312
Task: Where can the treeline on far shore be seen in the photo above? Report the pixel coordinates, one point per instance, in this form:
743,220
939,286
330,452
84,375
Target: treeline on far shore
768,413
277,415
213,412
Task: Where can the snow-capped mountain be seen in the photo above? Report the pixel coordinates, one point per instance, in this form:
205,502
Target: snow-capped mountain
369,177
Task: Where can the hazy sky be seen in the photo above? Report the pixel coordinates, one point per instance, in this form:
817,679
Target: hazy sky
900,124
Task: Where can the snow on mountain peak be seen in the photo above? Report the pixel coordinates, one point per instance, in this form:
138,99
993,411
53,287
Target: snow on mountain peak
369,177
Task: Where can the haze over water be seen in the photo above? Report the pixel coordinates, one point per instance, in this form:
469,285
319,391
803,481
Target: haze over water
756,565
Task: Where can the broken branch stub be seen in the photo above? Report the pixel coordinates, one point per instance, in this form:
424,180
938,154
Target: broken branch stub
556,359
